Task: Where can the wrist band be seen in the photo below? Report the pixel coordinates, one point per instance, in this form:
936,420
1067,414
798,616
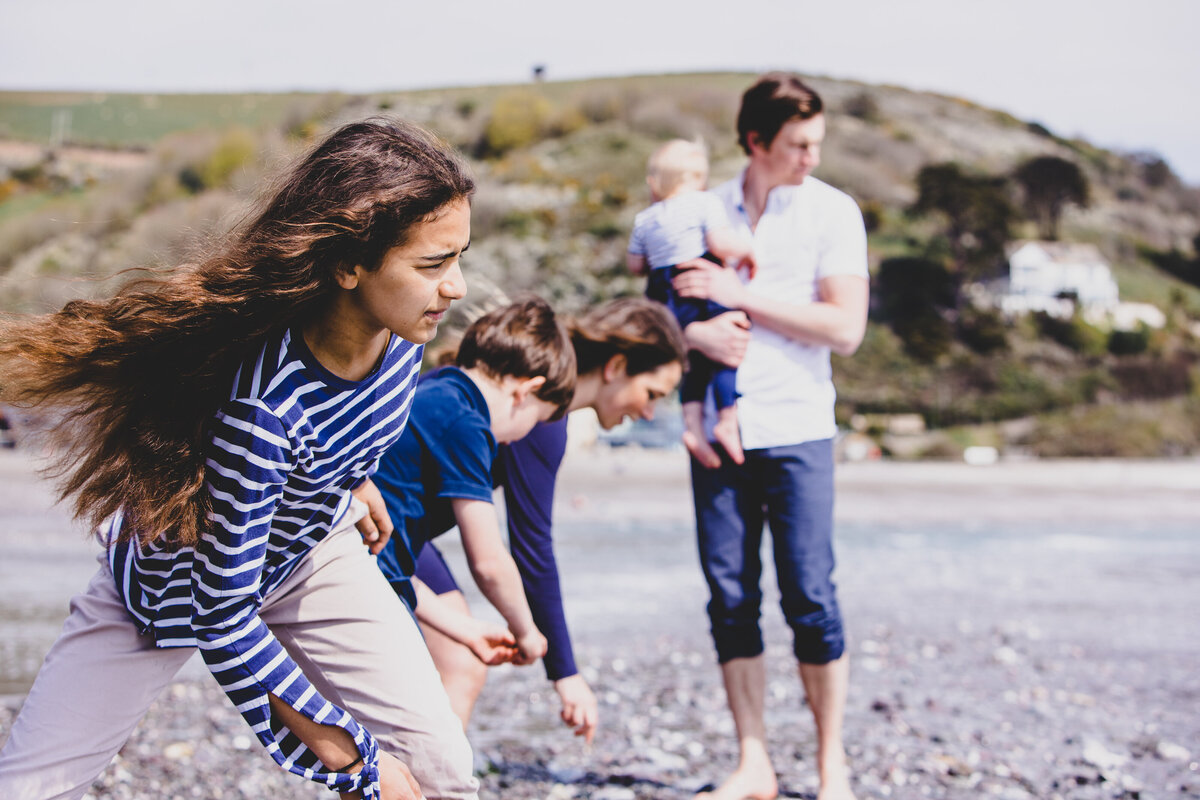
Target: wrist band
352,764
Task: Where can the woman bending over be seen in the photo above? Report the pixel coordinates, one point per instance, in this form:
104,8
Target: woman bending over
629,354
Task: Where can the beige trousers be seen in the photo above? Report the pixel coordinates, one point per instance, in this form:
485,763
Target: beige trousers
336,616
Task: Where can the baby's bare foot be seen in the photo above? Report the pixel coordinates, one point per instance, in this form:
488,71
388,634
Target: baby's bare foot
728,435
701,450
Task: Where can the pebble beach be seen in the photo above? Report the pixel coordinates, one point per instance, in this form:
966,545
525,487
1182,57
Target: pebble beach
1020,630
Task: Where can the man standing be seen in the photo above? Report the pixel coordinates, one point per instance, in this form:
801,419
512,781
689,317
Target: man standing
809,298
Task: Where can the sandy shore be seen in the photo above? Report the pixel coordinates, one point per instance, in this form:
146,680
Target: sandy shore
1025,630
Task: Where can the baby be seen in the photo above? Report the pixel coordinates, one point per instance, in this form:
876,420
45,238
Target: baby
685,223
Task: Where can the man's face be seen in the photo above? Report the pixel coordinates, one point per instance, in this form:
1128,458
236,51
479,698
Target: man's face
793,154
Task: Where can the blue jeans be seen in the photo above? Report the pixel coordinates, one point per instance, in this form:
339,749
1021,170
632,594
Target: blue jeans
791,489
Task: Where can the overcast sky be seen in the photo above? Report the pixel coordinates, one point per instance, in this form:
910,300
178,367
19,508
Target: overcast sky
1123,75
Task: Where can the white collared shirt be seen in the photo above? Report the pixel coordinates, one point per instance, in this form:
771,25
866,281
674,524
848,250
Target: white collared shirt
806,233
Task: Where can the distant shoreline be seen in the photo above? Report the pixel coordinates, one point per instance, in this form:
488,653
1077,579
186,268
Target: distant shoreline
656,483
603,483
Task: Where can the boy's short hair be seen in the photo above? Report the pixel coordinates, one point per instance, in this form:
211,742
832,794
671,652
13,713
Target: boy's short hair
526,340
775,99
674,163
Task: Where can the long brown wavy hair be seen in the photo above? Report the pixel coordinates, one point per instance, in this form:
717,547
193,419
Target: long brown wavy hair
644,331
129,383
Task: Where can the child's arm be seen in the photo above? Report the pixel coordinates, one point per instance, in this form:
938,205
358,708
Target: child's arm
636,263
733,250
492,644
496,574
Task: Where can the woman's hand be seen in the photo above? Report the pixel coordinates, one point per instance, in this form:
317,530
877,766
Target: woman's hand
493,644
376,526
723,338
530,647
579,707
704,280
396,781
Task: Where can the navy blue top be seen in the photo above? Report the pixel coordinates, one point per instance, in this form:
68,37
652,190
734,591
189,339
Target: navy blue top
445,453
528,470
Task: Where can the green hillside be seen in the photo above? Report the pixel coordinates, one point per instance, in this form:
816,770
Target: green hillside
94,184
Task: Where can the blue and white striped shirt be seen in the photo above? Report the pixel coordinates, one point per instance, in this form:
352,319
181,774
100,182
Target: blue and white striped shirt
676,229
283,454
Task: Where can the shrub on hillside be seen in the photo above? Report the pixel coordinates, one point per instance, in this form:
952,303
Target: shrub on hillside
236,149
1129,343
1154,378
863,106
1176,262
1074,333
927,336
982,330
1118,431
519,118
911,295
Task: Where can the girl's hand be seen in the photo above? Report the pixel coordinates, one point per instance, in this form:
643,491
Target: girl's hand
579,707
530,648
396,781
493,644
376,526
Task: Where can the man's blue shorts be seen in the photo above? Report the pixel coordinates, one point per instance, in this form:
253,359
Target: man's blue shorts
791,490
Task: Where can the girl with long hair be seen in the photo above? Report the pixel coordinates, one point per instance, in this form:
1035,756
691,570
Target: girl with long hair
219,426
629,354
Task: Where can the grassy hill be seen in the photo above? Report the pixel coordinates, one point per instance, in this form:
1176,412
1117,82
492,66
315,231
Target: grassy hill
144,180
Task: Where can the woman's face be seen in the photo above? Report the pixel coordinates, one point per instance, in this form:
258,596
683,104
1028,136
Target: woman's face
623,395
418,280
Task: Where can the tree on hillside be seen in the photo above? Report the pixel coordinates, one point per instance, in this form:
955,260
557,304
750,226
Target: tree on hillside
1049,183
978,216
914,296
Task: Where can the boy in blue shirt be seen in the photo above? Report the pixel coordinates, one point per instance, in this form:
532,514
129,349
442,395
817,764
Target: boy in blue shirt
515,368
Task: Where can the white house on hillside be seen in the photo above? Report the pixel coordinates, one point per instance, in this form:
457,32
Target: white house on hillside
1041,273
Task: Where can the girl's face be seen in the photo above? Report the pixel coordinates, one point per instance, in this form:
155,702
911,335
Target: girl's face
622,395
418,280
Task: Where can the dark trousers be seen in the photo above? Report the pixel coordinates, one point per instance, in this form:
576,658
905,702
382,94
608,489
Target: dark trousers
702,370
791,490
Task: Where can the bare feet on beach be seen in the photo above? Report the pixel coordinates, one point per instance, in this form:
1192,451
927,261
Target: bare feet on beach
693,436
750,783
835,785
747,783
754,778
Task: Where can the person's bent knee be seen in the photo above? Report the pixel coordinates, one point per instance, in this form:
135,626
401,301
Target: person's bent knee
818,639
736,641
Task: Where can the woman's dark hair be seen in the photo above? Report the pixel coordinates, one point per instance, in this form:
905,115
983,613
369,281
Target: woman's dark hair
130,382
775,98
643,331
523,339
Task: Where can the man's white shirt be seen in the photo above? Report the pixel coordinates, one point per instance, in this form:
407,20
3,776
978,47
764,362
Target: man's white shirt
806,233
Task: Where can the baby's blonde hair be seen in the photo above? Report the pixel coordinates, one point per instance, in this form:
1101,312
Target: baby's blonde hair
676,164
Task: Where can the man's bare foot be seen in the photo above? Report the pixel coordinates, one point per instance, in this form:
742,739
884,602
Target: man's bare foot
835,784
745,784
693,436
835,788
728,435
